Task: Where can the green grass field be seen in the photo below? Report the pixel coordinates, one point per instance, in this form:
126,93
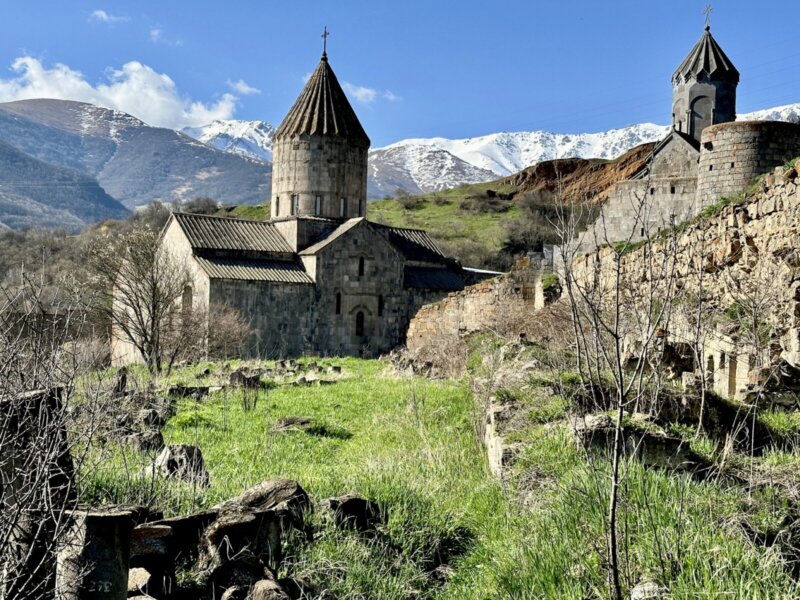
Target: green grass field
454,531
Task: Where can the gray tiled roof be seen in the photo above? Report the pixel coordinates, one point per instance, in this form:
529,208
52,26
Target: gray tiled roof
413,244
253,270
707,57
322,109
433,278
221,233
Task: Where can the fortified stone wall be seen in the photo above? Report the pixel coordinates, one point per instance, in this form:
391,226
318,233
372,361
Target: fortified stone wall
328,167
732,155
492,304
750,251
639,206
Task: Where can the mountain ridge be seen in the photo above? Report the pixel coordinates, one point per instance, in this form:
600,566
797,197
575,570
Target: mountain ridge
136,164
424,165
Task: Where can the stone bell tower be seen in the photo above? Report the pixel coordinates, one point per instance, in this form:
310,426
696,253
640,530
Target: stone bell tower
704,88
320,154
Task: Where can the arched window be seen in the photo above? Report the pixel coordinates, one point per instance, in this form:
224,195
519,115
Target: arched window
360,266
318,205
360,324
338,303
342,207
380,305
294,204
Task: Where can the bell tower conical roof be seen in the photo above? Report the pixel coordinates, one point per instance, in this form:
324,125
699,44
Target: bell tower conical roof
706,57
322,109
703,89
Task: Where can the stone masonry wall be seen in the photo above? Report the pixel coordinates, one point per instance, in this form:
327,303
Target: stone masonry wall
311,166
491,304
663,200
180,252
732,155
749,248
378,294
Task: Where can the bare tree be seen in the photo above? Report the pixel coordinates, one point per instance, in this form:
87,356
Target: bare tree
620,312
38,470
145,292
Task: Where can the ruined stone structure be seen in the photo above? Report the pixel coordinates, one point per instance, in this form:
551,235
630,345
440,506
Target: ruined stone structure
501,303
748,252
706,156
318,277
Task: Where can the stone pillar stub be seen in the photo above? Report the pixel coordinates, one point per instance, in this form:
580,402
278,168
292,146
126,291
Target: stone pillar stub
93,556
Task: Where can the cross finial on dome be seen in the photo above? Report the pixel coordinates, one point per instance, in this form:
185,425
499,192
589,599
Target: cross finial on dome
707,12
324,36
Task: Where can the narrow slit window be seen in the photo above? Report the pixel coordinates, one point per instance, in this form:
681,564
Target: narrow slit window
294,204
710,167
342,208
360,324
318,205
277,205
186,301
672,189
338,303
733,165
380,305
360,266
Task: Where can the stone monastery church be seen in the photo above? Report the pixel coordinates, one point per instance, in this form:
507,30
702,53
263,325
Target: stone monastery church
318,277
706,156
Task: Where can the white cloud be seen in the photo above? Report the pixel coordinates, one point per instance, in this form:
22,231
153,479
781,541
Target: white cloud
101,16
134,88
156,36
362,94
243,88
367,95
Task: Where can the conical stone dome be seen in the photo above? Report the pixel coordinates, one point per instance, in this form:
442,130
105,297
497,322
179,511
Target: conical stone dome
323,109
319,155
706,57
703,89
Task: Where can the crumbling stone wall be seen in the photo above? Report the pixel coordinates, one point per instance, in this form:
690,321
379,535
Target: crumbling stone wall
732,155
756,242
498,303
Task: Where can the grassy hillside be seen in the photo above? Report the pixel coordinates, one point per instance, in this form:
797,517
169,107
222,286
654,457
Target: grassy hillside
453,531
465,222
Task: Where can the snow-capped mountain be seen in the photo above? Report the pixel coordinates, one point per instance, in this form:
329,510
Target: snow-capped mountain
510,152
422,165
252,139
788,112
413,166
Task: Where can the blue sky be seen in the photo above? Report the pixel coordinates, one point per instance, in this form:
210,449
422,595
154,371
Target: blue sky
413,68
